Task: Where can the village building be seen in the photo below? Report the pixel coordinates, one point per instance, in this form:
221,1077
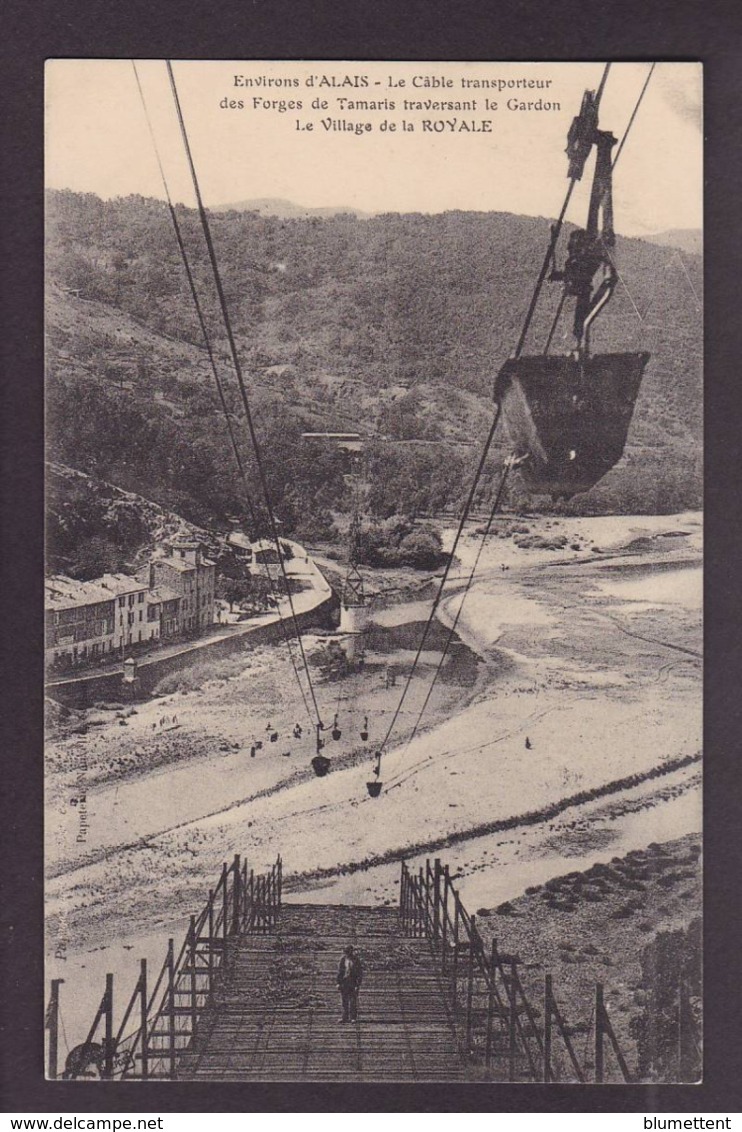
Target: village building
241,546
116,614
132,625
264,552
163,606
80,622
184,571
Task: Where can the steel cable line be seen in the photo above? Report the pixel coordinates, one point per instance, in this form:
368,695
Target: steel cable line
215,372
667,329
241,382
625,285
352,556
444,579
194,294
633,116
690,281
509,464
555,322
555,232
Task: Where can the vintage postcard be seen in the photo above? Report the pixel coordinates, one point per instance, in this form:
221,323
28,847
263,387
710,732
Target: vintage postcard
373,571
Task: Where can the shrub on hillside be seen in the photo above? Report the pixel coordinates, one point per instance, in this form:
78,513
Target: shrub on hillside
398,542
422,549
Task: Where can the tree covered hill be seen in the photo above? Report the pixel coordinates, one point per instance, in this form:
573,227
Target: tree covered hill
393,326
688,240
93,527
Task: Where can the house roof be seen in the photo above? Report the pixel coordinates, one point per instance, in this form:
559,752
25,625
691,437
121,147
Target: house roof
121,584
162,593
178,564
265,544
181,565
237,538
67,593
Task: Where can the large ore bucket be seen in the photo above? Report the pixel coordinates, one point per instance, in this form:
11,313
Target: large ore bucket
569,417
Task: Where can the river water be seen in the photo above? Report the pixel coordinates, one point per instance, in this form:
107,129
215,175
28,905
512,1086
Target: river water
666,587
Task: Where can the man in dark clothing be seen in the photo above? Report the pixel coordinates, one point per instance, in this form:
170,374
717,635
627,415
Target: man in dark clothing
350,975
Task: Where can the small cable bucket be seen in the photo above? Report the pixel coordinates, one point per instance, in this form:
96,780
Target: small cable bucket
364,730
320,765
336,732
374,787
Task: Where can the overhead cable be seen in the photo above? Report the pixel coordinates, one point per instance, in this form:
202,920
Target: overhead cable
241,382
444,579
509,464
215,372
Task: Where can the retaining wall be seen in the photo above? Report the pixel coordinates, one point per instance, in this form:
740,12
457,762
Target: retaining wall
99,687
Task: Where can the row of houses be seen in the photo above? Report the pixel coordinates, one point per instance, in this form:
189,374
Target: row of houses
172,597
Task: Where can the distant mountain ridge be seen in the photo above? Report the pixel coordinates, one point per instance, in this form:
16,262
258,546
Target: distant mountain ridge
688,240
287,209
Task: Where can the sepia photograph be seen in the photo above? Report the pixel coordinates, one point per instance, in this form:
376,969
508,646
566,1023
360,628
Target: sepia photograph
374,571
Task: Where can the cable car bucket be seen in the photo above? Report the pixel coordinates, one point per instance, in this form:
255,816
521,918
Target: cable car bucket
374,787
570,416
320,763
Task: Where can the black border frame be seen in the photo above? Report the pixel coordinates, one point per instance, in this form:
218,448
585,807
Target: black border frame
526,30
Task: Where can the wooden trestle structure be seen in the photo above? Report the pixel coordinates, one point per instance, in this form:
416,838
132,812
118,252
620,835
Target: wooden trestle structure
161,1020
501,1031
252,995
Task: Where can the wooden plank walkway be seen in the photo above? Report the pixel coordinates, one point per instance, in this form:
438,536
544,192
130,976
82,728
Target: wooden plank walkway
278,1015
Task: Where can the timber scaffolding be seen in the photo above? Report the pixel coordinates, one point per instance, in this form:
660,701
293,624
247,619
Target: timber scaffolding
166,1016
500,1030
251,994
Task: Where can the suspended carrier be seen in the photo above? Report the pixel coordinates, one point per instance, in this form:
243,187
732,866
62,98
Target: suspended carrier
568,416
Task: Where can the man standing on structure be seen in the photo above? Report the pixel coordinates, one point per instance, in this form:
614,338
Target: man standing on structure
350,975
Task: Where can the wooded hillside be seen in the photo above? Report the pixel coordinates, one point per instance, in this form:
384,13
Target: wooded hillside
393,326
